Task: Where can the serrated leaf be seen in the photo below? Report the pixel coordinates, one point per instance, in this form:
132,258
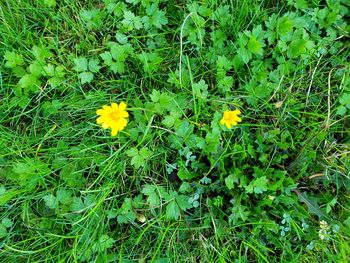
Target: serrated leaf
244,55
184,129
155,17
155,95
254,46
137,161
151,192
104,242
94,65
3,231
72,177
132,152
7,222
81,64
117,67
230,181
107,57
13,59
86,77
49,3
200,90
168,121
172,211
41,53
131,21
284,25
36,69
50,201
183,203
258,185
145,153
64,196
298,47
312,205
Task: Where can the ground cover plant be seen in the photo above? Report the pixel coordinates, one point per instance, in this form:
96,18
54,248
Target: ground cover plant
174,131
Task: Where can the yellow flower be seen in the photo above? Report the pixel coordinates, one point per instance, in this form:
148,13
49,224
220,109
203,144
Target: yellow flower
230,118
113,117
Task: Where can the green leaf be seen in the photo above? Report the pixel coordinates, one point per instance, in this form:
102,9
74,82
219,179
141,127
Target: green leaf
8,195
298,47
49,3
183,203
132,152
225,84
184,174
50,201
284,25
41,53
200,90
345,100
104,242
155,17
139,157
212,140
13,59
145,153
172,211
31,173
138,161
107,57
244,54
29,82
312,205
230,181
150,61
341,110
331,204
153,196
86,77
126,213
184,129
64,196
36,69
81,64
72,177
258,185
223,63
254,46
7,222
49,70
77,204
94,65
168,121
131,21
121,38
3,231
118,67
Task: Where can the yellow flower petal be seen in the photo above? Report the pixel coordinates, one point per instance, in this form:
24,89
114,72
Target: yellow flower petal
230,118
114,132
114,106
113,117
100,112
122,106
99,120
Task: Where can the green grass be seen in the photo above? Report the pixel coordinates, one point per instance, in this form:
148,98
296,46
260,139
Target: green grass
175,185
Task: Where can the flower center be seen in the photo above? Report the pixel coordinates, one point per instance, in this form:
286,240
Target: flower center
115,115
228,117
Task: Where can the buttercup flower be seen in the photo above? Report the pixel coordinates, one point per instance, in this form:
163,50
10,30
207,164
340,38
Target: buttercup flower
230,118
113,117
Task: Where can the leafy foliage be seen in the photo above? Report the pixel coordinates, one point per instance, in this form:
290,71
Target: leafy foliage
272,188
